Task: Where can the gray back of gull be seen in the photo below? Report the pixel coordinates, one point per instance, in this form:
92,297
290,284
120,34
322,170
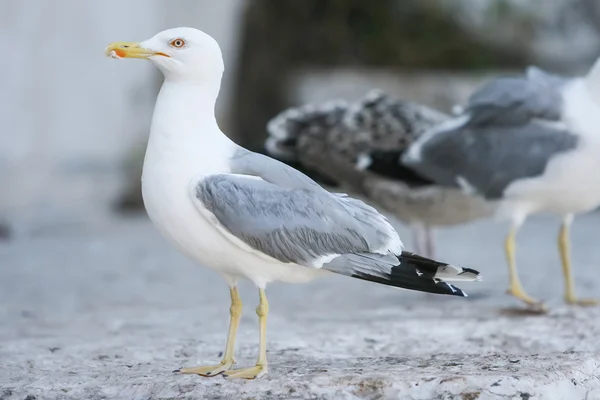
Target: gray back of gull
512,101
246,162
514,130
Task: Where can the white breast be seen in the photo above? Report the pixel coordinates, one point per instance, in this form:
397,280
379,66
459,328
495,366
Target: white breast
166,185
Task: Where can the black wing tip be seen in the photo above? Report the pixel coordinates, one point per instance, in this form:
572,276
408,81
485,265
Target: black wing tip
409,279
430,268
388,163
454,291
415,272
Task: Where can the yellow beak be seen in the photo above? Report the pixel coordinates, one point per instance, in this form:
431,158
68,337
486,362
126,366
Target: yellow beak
130,50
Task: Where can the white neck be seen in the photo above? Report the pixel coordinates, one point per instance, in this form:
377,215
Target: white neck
184,128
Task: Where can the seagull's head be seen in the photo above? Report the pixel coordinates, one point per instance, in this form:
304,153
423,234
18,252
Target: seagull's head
184,54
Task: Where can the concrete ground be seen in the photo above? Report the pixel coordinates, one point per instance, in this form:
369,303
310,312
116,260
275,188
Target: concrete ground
108,311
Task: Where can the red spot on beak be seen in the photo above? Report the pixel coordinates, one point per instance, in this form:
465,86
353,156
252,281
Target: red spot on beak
119,53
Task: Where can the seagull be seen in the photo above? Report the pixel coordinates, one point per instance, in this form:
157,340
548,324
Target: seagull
249,216
529,143
359,145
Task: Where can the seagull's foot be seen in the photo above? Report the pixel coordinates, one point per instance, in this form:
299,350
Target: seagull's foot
247,373
533,304
574,301
208,370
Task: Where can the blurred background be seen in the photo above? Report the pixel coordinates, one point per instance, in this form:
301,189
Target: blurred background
74,124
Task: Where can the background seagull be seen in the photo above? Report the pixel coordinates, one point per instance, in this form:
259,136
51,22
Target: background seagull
359,147
247,215
532,144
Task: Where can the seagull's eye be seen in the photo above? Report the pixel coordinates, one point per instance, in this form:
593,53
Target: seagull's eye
177,43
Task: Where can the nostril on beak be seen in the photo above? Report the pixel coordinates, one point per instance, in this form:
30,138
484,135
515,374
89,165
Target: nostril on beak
125,46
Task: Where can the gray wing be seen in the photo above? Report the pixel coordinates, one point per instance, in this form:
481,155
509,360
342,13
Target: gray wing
546,78
382,128
512,101
246,162
377,129
511,129
297,225
295,130
487,160
381,122
300,137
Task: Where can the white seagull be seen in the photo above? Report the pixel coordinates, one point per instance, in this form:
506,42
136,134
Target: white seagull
246,215
531,144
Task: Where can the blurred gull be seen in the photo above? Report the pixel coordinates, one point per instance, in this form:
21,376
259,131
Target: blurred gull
247,215
359,146
532,144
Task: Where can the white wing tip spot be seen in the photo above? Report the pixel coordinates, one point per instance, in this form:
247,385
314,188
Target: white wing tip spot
457,109
465,186
363,161
413,155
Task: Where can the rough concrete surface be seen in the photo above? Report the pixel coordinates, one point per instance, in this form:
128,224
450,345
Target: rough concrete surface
108,311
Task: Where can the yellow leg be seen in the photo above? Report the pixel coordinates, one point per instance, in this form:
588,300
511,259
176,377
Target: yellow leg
235,312
516,289
565,257
261,367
